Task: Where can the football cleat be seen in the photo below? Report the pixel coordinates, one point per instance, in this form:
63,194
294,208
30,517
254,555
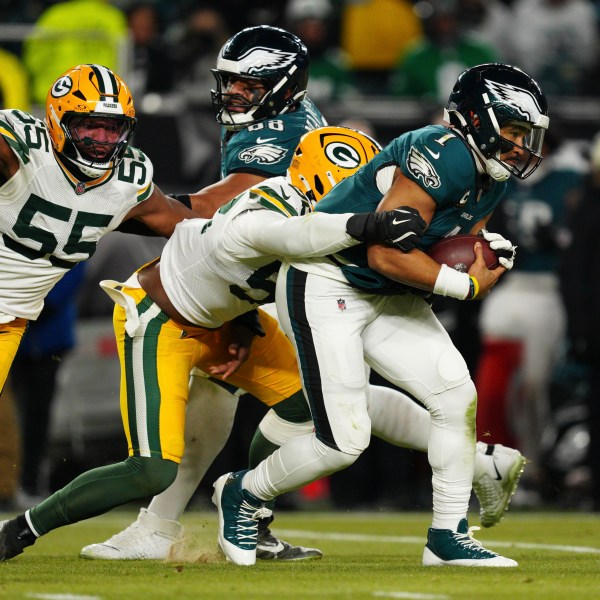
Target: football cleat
14,539
149,537
271,548
497,481
239,512
460,549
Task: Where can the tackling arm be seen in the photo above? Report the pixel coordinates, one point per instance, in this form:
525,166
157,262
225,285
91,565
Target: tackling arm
160,213
209,199
320,234
272,233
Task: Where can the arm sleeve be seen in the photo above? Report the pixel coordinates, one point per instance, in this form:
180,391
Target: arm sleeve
315,234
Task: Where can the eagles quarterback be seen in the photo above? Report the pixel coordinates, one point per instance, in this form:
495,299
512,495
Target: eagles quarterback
367,306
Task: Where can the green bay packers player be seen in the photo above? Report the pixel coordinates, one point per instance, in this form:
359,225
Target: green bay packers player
173,314
366,305
260,102
64,183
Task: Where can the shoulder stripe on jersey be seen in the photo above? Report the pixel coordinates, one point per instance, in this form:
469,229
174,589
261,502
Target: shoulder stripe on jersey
15,141
270,199
106,80
146,192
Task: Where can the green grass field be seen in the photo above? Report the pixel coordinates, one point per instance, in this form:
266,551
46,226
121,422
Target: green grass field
367,555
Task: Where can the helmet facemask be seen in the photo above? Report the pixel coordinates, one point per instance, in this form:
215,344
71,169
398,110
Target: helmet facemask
491,97
91,156
82,101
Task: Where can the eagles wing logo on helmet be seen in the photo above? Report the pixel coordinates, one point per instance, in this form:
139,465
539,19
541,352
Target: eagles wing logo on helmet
521,100
421,168
260,59
263,154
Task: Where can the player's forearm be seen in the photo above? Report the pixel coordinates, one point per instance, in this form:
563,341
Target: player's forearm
316,234
414,268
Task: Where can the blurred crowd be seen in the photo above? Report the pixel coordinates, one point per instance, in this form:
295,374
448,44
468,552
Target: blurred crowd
531,345
397,48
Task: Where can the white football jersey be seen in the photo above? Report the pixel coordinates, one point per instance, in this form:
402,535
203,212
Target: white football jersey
215,270
50,221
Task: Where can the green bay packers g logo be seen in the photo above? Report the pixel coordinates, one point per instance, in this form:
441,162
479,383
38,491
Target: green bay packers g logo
62,87
342,155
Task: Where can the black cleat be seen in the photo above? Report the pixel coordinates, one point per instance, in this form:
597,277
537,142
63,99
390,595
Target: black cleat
271,548
14,538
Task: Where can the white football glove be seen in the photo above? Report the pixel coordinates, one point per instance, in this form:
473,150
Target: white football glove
504,249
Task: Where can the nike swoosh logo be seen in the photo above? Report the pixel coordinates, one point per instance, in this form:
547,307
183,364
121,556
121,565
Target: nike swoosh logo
396,222
435,155
259,140
498,476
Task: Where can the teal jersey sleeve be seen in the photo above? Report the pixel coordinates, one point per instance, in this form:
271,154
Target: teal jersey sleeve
267,148
437,160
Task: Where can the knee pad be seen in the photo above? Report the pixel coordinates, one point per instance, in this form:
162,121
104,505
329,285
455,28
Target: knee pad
278,431
455,406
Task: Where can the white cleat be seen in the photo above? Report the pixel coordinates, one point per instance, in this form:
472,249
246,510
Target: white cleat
147,538
498,470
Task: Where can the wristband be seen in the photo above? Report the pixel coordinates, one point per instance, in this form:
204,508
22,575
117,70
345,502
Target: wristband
473,288
452,283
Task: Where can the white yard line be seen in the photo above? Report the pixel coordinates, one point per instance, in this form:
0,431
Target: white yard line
411,595
61,596
392,539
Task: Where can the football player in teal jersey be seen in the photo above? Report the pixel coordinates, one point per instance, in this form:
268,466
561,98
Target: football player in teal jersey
356,307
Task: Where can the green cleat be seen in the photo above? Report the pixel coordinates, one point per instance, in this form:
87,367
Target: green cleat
460,549
239,512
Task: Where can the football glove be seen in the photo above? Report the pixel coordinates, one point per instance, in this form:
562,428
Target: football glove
504,249
401,227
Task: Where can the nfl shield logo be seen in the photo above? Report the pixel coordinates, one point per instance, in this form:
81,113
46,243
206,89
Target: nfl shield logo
80,188
341,304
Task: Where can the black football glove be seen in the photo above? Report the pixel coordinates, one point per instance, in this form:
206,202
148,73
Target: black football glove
401,227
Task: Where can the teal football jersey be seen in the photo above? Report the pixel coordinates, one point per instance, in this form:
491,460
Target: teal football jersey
439,161
267,148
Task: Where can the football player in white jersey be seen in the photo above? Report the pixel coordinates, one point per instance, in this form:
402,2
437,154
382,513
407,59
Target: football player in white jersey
366,304
64,183
174,314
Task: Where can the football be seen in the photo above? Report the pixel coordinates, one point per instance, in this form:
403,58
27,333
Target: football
457,252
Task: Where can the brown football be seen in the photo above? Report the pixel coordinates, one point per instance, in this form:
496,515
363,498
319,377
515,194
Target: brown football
457,252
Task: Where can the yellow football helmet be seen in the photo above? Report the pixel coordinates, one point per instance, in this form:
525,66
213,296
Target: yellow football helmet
84,92
327,155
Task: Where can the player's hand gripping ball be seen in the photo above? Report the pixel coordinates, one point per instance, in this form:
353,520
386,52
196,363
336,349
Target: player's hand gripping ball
457,252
